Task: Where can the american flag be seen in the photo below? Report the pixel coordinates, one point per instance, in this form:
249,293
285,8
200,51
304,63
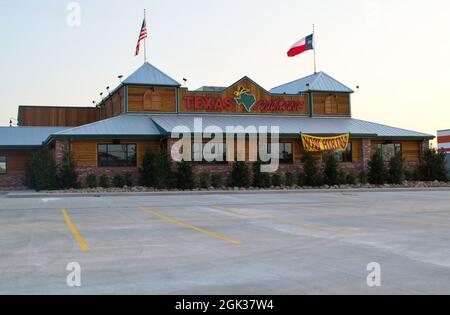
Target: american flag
142,36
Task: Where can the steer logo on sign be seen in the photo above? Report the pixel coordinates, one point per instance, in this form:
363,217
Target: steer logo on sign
244,98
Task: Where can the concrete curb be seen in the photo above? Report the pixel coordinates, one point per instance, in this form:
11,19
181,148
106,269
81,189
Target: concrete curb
16,195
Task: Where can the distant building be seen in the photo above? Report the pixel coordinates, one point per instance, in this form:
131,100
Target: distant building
444,144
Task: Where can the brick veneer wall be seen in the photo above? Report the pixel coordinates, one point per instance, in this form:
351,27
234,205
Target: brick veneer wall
12,180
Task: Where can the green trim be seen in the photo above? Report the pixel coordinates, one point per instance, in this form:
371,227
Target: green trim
104,137
151,85
310,102
239,114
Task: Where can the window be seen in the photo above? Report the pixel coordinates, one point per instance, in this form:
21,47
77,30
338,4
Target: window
218,152
286,156
345,156
3,165
388,151
116,155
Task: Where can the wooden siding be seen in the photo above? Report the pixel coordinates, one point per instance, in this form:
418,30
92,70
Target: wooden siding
224,102
328,104
85,151
57,116
16,160
114,105
152,100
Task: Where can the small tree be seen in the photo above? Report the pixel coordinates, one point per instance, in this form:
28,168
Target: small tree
433,166
331,172
204,180
67,175
377,169
289,179
119,181
185,176
148,169
216,180
397,170
103,181
41,171
258,176
311,173
91,181
240,176
277,181
164,174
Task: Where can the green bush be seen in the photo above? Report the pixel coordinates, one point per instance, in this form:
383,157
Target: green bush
165,175
240,176
412,175
67,175
341,178
377,169
363,178
185,176
301,179
351,179
289,179
433,166
148,170
311,172
118,181
91,181
103,181
216,180
277,181
40,172
331,173
397,170
128,179
204,180
258,176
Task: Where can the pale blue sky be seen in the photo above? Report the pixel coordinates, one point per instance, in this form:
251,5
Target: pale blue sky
397,51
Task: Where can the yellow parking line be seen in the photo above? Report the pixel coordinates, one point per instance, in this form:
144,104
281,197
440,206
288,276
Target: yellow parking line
189,226
81,242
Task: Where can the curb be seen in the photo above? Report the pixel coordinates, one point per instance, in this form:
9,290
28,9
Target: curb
218,192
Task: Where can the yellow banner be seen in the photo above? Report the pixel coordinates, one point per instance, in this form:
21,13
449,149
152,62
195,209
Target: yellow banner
315,144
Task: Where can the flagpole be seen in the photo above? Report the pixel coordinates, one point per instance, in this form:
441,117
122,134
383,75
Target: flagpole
145,39
314,46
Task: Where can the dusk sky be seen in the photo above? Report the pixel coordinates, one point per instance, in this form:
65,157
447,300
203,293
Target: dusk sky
398,52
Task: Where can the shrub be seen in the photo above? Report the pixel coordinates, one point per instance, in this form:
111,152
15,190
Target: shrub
397,170
311,173
301,179
331,173
67,175
341,178
128,179
216,180
277,181
185,176
164,175
351,179
118,181
40,172
103,181
377,170
289,179
204,180
239,176
258,176
148,169
433,166
363,177
91,181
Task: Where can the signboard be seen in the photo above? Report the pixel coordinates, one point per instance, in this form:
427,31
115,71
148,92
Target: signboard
319,144
244,97
444,141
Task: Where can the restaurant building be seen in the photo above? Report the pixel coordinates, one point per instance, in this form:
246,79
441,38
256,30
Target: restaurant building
145,108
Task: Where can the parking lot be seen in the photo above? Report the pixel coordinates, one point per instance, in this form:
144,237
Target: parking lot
274,243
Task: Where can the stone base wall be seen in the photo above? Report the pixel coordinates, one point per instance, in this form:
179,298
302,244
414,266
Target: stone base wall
83,172
12,181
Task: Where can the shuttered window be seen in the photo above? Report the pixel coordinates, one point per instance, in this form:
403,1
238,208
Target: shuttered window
3,165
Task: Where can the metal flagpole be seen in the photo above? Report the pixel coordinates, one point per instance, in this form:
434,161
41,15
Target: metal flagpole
314,47
145,39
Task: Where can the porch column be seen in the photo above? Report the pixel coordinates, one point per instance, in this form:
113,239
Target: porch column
366,153
59,151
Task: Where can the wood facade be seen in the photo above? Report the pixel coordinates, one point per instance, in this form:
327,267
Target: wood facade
37,116
152,99
331,104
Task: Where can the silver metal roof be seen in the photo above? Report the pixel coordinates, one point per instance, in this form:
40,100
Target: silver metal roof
124,125
290,125
147,74
25,136
319,82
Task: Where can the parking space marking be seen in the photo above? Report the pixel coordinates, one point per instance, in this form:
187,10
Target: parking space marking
81,242
192,227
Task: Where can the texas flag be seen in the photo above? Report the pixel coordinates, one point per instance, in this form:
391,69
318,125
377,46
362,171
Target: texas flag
301,46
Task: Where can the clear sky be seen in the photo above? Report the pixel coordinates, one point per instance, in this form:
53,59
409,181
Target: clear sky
398,52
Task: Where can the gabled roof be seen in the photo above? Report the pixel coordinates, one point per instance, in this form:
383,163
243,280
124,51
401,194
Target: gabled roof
123,126
16,137
147,74
318,82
